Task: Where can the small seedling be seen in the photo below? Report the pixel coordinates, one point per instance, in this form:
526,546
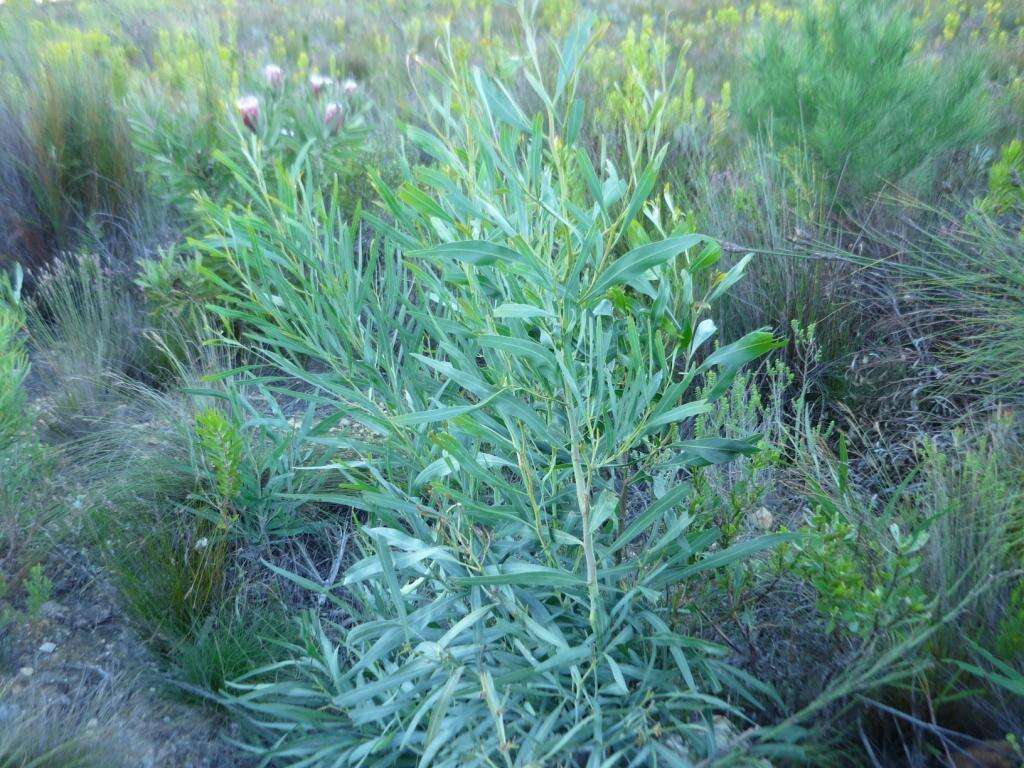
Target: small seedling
39,589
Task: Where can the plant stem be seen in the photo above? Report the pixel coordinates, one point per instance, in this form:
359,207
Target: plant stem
583,500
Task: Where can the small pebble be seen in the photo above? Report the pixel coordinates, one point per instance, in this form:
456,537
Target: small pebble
51,610
26,671
764,519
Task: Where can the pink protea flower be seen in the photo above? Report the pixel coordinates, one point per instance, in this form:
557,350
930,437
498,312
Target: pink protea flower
274,76
318,82
249,109
350,86
333,116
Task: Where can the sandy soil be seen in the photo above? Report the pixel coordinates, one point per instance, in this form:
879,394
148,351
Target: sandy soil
80,671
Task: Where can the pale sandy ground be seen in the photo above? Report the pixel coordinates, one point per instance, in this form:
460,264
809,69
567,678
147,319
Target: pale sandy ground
81,670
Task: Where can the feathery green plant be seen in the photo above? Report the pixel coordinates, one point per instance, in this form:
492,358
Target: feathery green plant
847,82
1005,193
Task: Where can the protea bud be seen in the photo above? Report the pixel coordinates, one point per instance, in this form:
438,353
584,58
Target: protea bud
249,109
318,82
350,86
274,76
333,116
764,519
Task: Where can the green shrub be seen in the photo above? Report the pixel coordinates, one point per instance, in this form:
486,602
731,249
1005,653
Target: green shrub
249,469
972,491
176,486
1006,183
220,442
190,132
66,156
180,115
13,362
177,289
848,81
531,351
38,590
861,560
644,95
930,564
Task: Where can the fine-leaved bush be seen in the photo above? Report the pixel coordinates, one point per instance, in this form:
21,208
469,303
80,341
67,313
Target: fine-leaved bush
847,81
